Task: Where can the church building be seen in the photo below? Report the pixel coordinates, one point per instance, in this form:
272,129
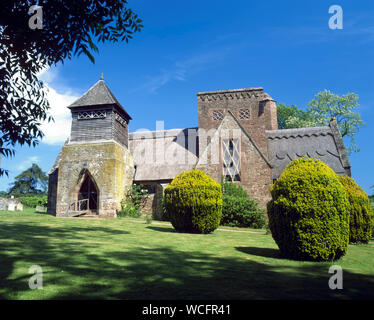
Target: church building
237,139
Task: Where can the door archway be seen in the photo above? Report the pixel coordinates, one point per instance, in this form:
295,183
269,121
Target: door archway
88,190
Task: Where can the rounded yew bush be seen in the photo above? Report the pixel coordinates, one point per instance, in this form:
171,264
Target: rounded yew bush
309,212
193,202
361,215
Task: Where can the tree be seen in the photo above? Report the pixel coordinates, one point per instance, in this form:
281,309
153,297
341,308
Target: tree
327,105
3,194
290,116
321,109
31,181
68,28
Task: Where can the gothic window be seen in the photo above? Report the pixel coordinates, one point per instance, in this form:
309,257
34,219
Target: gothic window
231,159
86,115
244,114
218,114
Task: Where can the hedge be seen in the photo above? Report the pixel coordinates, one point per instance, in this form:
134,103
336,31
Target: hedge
309,212
238,210
361,215
193,202
33,201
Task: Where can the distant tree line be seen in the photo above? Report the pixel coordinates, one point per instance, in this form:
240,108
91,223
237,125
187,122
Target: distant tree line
31,182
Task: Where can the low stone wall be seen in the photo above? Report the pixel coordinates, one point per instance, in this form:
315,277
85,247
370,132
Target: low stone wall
153,206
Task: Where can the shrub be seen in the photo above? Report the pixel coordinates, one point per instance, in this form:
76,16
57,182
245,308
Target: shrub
232,189
372,209
238,210
241,212
309,212
33,201
135,200
361,215
193,202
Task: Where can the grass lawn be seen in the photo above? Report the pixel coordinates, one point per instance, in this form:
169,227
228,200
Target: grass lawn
125,259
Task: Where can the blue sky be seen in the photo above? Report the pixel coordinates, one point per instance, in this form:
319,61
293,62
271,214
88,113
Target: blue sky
192,46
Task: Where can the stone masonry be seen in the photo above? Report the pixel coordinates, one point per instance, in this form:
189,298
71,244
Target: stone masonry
110,166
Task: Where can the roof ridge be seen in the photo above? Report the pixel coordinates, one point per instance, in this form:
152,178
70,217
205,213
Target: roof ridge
231,90
298,129
110,93
138,135
107,91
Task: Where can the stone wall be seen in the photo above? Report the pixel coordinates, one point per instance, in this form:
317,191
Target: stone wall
52,192
109,164
153,206
255,171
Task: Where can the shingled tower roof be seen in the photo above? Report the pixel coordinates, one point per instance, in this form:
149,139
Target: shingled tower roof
98,94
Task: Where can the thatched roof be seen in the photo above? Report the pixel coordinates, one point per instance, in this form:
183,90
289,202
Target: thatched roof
161,155
324,143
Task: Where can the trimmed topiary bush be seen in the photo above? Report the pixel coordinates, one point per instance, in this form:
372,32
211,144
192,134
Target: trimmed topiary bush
238,210
193,202
371,198
361,216
309,212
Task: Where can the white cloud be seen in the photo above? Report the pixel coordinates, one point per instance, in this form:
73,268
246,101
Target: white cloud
57,132
27,163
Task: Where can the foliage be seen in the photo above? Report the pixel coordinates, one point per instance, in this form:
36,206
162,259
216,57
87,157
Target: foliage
327,105
361,218
238,210
31,181
148,220
135,200
164,216
309,212
69,28
241,212
321,109
193,202
4,194
371,198
33,201
234,190
290,117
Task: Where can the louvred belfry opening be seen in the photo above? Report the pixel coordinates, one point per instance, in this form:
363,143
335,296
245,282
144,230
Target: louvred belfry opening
231,159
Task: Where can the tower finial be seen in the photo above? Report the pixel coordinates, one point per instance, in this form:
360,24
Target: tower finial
102,76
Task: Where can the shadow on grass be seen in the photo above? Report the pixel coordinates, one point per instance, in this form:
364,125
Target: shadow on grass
157,272
45,213
261,252
162,229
